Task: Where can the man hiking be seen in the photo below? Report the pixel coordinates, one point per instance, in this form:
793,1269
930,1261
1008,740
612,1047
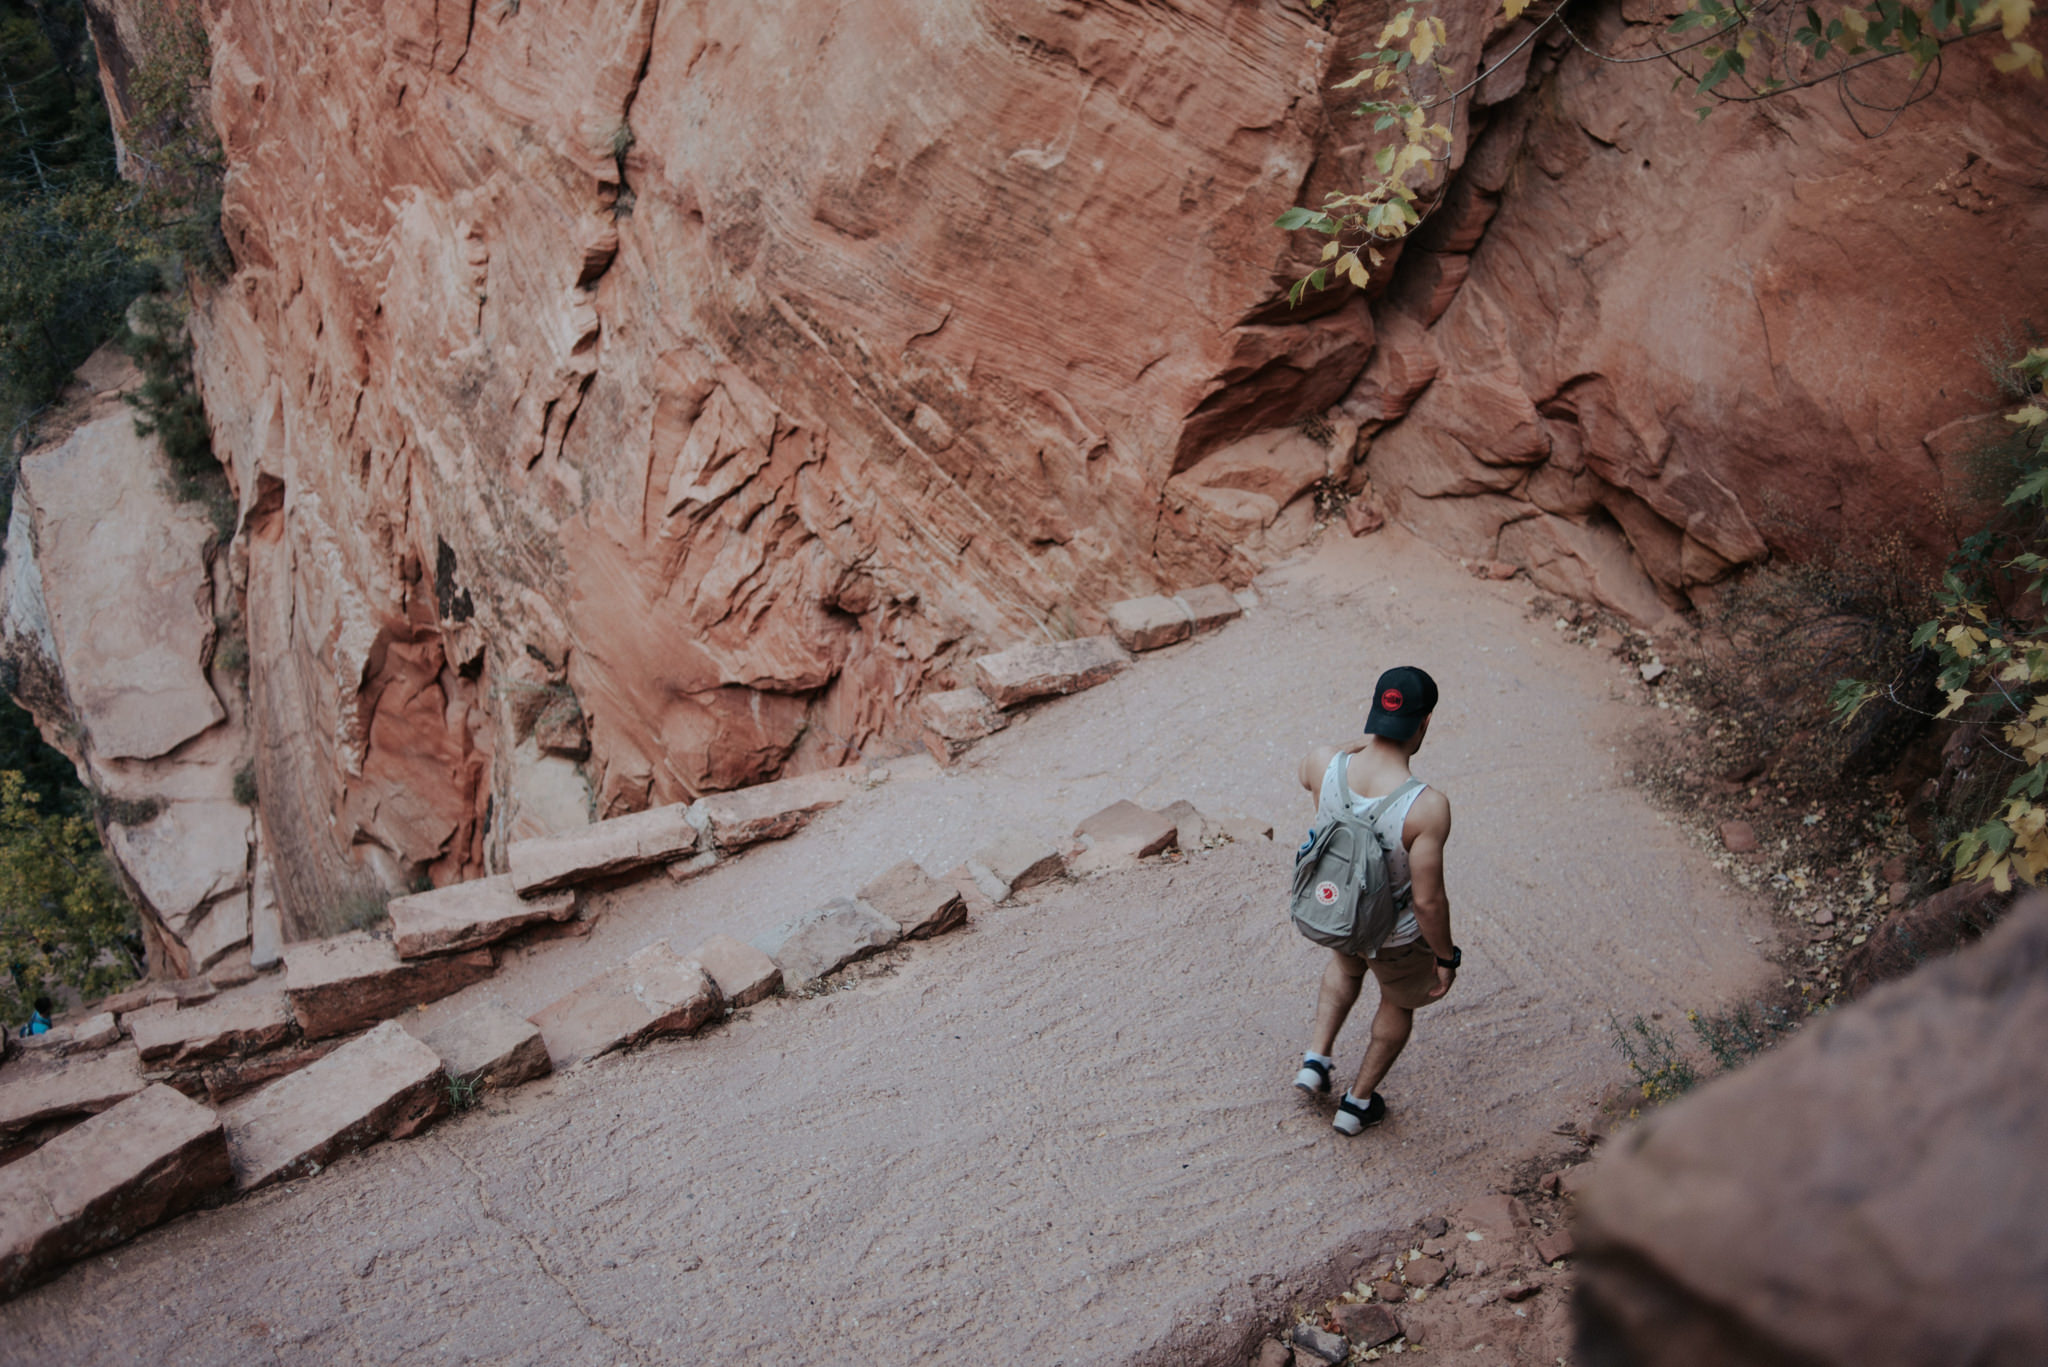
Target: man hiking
1417,962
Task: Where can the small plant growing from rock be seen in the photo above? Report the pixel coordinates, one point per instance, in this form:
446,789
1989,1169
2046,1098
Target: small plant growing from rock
1660,1067
245,784
461,1093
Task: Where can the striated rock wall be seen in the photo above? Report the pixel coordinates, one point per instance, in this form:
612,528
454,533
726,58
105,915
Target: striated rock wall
1635,350
631,400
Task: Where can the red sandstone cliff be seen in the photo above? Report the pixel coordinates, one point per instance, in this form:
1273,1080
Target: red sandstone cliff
629,400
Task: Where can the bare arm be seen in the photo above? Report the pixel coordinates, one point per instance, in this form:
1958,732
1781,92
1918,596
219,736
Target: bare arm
1312,766
1432,812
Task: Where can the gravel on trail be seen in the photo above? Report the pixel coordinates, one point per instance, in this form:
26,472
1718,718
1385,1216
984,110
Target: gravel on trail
1063,1135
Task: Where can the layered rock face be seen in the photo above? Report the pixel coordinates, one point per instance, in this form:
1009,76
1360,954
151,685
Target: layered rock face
1636,351
631,401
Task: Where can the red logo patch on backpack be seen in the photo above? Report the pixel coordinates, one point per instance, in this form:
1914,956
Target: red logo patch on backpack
1326,893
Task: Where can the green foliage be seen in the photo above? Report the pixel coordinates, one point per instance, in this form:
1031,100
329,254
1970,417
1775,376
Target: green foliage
1733,51
356,911
63,921
245,784
1990,643
167,405
1652,1054
461,1092
1736,1036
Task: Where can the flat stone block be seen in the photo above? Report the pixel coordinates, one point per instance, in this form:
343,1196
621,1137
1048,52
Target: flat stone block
770,811
353,980
744,974
1197,831
916,901
601,849
34,1090
385,1085
1210,606
1013,861
696,866
1120,835
821,943
465,915
1046,669
1151,622
245,1024
956,718
492,1046
106,1181
656,992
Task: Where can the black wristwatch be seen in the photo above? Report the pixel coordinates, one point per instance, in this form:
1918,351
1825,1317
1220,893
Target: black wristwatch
1457,957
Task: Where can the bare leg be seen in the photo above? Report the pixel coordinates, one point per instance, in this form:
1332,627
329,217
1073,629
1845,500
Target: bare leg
1390,1028
1339,993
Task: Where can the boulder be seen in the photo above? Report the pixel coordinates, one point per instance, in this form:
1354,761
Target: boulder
1890,1159
36,1090
1151,622
770,811
353,980
656,992
1120,835
1912,935
919,903
956,718
601,849
246,1023
385,1085
1210,606
105,1181
465,915
490,1046
824,941
1013,861
1048,669
742,973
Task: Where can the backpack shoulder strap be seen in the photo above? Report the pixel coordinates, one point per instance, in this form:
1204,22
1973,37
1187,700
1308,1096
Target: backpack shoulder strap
1381,804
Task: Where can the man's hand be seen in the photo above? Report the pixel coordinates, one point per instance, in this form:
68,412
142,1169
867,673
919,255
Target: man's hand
1444,978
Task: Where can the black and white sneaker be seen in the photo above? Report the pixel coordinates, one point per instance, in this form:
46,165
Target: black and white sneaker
1314,1077
1354,1115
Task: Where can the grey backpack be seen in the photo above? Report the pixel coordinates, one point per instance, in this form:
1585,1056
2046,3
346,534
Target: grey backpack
1343,896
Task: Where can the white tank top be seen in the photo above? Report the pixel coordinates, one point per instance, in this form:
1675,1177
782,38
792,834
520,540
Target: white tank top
1388,827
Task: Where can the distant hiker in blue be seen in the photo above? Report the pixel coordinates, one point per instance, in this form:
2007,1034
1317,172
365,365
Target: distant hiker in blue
38,1018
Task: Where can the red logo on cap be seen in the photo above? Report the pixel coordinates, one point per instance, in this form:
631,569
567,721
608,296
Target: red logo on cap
1390,701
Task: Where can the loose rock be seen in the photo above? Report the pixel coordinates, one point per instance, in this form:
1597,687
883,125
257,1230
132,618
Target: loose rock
466,915
1555,1245
385,1085
490,1046
246,1024
1121,834
600,850
1424,1272
957,718
105,1181
916,901
1012,862
743,974
1738,836
354,980
826,940
1040,670
1151,622
770,811
656,992
34,1090
1211,606
1321,1342
1367,1325
1274,1353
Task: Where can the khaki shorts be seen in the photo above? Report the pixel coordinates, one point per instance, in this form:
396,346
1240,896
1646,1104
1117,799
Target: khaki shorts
1406,974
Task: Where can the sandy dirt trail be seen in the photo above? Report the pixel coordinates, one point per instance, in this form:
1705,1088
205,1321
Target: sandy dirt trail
1062,1136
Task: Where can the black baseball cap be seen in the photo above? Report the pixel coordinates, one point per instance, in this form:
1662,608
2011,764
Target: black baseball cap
1403,697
